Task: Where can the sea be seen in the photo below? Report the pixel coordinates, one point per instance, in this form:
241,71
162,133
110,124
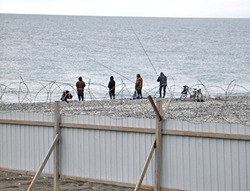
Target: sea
43,55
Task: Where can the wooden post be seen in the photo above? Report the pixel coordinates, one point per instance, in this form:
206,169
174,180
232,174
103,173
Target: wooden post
158,147
144,170
56,139
56,151
158,111
155,108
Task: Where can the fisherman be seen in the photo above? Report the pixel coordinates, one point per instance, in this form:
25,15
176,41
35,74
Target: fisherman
80,85
111,87
200,97
66,96
138,86
163,84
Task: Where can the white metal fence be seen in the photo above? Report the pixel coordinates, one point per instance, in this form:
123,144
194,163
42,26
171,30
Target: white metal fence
195,156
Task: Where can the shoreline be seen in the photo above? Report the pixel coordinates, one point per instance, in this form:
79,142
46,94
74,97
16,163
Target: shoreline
231,109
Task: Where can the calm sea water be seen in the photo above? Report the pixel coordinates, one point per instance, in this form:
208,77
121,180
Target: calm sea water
36,49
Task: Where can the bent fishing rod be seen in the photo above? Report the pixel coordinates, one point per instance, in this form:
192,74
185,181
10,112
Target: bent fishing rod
142,47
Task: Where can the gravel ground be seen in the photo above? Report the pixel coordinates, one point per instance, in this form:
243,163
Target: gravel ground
10,181
235,109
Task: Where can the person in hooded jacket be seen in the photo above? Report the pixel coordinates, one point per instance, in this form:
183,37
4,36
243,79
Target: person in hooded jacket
111,87
163,84
80,88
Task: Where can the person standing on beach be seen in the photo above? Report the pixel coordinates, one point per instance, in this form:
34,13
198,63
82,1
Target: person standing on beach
138,86
80,88
163,84
111,87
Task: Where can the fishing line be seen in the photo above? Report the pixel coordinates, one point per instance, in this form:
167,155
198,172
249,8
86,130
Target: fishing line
113,70
142,47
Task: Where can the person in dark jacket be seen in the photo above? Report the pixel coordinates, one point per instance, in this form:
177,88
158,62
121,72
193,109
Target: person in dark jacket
138,86
80,85
111,87
163,84
66,96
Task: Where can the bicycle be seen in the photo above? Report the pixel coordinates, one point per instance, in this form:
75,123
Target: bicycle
184,93
196,94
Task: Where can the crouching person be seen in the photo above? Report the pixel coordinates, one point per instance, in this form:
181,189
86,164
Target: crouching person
66,96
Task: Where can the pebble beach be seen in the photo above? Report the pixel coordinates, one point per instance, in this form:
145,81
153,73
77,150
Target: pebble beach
231,109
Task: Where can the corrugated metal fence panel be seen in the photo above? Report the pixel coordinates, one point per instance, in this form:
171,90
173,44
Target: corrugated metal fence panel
106,155
23,147
189,163
195,163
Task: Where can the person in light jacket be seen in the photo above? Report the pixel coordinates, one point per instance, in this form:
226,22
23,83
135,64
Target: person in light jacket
138,86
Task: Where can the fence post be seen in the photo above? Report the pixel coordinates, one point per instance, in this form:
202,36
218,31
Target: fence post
144,170
56,151
158,111
34,180
158,147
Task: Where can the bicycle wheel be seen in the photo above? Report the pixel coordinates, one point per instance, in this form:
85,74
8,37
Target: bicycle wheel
183,97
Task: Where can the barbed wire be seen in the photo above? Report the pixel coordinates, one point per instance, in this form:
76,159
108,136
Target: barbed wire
231,105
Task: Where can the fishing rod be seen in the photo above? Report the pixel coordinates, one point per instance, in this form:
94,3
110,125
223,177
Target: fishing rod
142,47
112,70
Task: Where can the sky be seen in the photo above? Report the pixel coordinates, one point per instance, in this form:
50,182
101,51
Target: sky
136,8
